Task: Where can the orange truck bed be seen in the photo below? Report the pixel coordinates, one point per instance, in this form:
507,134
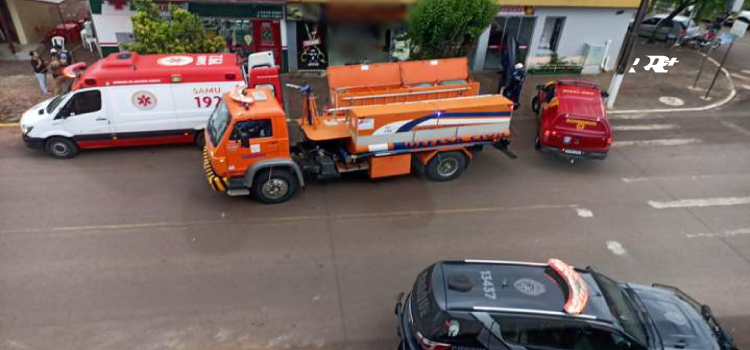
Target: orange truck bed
384,83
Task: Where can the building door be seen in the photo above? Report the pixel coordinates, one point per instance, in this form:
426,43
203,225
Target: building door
267,37
504,31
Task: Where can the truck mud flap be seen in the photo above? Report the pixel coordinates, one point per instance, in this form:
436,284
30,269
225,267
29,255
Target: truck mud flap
216,182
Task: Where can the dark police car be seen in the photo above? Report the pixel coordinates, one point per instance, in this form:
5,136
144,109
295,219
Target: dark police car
505,305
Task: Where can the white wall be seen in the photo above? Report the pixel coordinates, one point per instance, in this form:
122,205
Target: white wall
582,26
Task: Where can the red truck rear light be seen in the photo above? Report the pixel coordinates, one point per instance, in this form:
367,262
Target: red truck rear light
431,345
609,141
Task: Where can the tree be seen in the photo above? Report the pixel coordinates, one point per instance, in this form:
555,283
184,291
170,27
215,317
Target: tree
181,32
447,28
705,8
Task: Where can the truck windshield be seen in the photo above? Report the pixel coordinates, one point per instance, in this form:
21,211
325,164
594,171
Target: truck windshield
622,308
56,102
218,123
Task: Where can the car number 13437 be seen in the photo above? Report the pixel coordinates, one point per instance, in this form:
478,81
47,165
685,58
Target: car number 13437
488,285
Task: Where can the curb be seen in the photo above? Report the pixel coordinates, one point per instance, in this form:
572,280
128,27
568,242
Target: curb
9,125
717,104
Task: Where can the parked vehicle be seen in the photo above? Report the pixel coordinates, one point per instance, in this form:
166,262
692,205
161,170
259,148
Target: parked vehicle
572,120
708,39
248,149
679,28
128,99
485,304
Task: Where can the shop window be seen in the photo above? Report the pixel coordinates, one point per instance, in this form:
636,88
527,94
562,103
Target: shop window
551,33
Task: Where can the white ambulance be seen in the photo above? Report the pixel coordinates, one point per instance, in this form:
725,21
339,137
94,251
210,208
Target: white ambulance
128,99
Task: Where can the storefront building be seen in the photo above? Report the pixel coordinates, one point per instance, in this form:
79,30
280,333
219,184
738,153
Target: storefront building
582,32
323,33
589,34
247,26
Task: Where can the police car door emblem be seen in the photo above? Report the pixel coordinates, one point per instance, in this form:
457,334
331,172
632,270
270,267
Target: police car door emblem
175,61
529,286
143,100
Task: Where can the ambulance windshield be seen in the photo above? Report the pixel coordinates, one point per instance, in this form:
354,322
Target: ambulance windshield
56,102
218,123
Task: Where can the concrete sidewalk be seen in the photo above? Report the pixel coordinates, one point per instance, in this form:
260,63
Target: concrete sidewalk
641,90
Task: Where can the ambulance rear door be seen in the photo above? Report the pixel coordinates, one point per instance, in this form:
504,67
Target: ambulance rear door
143,114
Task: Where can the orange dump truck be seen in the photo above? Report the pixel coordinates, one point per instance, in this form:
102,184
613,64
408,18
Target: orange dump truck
248,149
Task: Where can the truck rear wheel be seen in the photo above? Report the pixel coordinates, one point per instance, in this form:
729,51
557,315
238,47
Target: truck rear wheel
535,104
272,186
446,166
61,147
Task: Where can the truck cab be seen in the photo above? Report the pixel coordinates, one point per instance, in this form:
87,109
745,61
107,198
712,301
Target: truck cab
247,147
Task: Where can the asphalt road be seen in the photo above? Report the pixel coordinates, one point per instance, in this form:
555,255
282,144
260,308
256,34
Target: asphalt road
130,248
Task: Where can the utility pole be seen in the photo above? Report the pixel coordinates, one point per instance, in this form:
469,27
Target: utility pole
623,61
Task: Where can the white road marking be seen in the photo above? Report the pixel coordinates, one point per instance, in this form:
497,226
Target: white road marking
740,76
745,86
746,71
616,248
729,233
645,127
658,142
628,180
584,213
736,127
732,94
699,203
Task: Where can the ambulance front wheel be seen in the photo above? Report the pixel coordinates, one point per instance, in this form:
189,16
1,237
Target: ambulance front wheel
446,166
61,147
200,140
273,186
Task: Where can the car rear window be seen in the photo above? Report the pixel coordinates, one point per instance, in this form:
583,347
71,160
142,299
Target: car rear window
427,315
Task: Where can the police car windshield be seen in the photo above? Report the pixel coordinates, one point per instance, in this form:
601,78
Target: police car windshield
622,308
56,102
218,123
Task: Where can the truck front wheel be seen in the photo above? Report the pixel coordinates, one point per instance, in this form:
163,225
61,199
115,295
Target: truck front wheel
272,186
446,166
61,147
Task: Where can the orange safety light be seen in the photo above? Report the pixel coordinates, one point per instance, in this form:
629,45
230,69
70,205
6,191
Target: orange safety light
578,292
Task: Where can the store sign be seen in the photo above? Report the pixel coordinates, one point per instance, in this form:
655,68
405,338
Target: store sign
516,10
311,48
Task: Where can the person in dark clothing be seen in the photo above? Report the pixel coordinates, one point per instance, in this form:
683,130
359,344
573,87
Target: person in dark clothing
40,70
720,20
513,92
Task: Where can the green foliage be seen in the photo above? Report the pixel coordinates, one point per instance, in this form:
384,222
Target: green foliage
182,32
447,28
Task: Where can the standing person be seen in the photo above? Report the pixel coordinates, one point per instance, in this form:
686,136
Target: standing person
56,68
40,70
516,84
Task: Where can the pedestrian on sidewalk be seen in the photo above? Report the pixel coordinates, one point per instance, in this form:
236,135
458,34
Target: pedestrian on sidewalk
40,70
518,77
56,68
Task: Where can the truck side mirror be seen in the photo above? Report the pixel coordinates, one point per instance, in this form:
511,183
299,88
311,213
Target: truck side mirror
539,87
605,94
244,139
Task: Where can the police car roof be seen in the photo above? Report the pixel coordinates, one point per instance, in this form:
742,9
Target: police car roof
512,286
135,69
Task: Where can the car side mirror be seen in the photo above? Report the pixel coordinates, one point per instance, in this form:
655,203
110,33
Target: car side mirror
605,94
62,114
